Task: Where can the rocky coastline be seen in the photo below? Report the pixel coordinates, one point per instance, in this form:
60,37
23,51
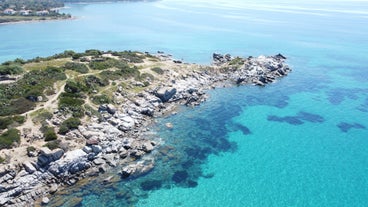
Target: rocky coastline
117,137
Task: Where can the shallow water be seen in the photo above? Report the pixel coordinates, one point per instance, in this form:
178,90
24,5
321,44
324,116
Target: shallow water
301,141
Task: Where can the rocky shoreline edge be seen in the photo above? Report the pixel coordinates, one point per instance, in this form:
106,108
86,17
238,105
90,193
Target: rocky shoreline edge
118,139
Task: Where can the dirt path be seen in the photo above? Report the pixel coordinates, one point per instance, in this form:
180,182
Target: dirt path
51,103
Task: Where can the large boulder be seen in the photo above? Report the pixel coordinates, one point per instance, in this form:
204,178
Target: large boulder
111,109
78,166
46,156
165,93
28,166
126,124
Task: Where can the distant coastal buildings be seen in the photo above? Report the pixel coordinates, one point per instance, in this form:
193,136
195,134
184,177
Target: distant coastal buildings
9,11
23,12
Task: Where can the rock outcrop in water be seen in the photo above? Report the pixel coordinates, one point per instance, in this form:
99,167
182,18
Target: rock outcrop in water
116,138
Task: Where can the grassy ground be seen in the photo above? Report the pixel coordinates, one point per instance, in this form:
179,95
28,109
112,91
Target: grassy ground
44,64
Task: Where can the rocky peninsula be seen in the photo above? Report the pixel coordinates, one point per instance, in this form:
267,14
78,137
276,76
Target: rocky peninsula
102,109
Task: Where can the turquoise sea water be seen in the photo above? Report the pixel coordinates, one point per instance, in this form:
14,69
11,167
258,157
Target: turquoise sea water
302,141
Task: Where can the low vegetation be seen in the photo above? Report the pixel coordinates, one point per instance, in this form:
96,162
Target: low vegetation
2,160
158,70
9,138
53,144
12,120
10,69
92,74
69,124
49,134
101,99
20,97
78,67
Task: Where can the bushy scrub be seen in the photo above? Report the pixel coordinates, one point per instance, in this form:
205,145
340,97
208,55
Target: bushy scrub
103,63
49,134
129,56
78,67
71,103
101,99
11,69
18,97
6,122
158,70
8,138
53,144
93,82
69,124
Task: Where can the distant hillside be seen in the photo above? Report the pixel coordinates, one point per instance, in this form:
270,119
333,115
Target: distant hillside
77,1
35,5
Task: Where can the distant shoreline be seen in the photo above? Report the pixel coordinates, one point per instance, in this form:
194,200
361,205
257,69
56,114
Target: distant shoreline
36,21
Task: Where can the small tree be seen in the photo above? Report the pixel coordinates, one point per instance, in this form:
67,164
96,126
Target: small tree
49,134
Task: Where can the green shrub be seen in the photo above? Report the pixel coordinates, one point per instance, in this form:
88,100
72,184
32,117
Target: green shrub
8,138
127,72
42,116
75,87
93,52
237,61
104,63
71,102
158,70
101,99
49,134
93,82
2,160
12,69
30,149
145,76
77,56
5,122
132,57
13,97
19,119
53,144
110,75
78,67
17,106
69,124
65,54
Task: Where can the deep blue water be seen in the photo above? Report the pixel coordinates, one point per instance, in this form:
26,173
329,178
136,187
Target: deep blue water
302,141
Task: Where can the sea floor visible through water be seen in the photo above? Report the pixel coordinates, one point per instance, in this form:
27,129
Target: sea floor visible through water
301,141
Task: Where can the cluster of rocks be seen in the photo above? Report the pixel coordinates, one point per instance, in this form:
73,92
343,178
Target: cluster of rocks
261,70
118,137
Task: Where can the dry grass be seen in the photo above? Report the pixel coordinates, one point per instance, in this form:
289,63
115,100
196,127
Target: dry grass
44,64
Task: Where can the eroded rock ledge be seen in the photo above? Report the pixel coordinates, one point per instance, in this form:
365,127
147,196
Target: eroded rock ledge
118,138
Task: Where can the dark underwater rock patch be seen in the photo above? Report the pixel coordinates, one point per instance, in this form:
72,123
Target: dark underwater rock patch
151,185
180,176
338,95
315,118
197,152
279,101
192,183
345,127
239,127
288,119
299,119
364,106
